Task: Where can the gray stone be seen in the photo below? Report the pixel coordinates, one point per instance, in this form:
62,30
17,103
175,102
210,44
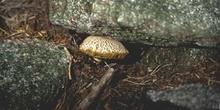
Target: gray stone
153,22
193,97
32,74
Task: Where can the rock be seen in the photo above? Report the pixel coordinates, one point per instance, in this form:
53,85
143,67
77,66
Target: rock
32,74
152,22
192,97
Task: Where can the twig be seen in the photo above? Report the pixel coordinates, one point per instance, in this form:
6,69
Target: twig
135,83
70,62
214,81
96,89
158,68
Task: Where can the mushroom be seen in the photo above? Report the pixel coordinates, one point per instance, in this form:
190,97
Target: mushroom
103,48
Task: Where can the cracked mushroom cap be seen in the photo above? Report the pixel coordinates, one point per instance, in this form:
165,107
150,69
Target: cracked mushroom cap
103,48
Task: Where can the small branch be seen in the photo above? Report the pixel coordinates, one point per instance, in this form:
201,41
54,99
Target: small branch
96,89
70,62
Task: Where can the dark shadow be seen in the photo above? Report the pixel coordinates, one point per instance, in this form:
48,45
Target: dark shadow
136,52
188,45
161,105
3,25
78,36
117,77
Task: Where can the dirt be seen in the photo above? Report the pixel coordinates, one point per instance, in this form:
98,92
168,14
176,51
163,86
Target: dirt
145,68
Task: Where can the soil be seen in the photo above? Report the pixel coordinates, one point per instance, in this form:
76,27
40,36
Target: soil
145,68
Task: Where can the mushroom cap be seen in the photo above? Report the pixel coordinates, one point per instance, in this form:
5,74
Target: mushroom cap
103,48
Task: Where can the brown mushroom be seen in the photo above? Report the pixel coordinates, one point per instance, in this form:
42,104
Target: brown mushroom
103,48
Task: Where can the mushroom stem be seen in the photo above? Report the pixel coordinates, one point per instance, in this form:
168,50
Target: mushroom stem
97,60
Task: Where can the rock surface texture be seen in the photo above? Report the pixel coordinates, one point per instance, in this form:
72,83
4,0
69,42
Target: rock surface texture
161,23
188,97
31,74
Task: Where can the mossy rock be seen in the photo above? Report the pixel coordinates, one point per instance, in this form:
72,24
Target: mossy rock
32,74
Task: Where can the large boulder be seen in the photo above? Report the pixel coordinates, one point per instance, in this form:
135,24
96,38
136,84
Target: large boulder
32,74
153,22
188,97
